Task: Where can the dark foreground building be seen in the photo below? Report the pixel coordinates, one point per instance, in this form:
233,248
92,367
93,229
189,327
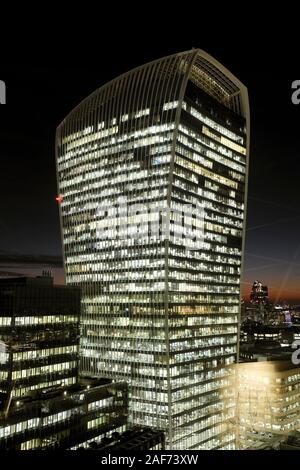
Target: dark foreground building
134,439
152,179
39,336
65,418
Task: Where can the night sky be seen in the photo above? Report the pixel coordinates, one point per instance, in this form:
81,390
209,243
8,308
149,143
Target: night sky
42,89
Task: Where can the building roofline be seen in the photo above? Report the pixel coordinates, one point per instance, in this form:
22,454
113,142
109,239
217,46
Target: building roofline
194,51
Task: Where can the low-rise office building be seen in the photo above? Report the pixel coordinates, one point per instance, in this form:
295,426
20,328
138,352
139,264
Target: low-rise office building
65,418
39,335
268,398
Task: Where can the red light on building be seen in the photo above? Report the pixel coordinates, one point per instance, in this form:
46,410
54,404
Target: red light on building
58,199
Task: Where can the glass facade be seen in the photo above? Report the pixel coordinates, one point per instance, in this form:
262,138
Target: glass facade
267,399
152,174
39,336
65,418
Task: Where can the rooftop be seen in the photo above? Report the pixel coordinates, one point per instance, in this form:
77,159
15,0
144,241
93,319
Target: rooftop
270,366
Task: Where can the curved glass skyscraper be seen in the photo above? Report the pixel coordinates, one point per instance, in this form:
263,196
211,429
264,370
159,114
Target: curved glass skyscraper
152,171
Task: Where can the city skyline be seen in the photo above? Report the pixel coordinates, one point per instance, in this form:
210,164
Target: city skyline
29,215
177,348
187,336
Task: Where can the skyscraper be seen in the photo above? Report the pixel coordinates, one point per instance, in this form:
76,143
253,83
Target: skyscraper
152,171
259,293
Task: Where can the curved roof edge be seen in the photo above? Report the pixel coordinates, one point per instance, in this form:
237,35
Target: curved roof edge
197,53
222,68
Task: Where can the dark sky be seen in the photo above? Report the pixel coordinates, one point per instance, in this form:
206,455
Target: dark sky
42,89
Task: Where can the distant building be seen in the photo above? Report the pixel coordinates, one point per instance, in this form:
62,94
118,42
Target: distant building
267,334
267,342
39,336
65,418
259,301
268,398
259,293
